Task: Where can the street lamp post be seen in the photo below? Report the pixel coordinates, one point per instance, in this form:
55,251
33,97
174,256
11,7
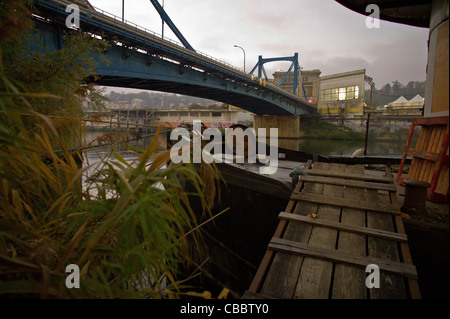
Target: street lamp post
162,22
123,11
236,46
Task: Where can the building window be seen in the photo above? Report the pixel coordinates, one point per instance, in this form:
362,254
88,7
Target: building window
216,114
340,94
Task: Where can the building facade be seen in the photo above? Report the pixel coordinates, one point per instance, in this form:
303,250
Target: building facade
342,93
288,83
308,80
336,94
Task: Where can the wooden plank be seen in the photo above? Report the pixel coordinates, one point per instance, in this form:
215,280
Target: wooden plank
442,183
425,149
373,178
341,226
282,277
343,202
408,144
292,247
431,142
350,183
426,155
416,163
413,168
438,139
276,281
349,281
316,275
440,120
253,295
391,285
413,285
437,149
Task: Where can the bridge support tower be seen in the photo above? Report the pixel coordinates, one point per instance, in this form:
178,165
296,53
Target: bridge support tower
288,125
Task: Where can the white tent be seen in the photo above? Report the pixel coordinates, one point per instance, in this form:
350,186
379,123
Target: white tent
417,99
401,99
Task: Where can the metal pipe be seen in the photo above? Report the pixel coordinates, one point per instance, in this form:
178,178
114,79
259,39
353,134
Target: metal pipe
162,32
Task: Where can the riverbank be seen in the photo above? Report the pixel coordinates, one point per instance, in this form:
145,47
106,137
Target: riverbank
313,127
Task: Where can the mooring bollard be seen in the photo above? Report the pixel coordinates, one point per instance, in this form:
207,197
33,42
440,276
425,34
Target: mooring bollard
415,196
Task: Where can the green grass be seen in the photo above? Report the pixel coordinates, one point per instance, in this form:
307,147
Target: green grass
316,128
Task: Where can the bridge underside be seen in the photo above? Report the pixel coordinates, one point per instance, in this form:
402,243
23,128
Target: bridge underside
245,102
138,71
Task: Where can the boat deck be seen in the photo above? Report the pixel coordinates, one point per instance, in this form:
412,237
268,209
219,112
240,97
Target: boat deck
339,219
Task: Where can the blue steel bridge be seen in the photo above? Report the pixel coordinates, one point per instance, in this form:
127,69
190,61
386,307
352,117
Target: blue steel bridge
142,59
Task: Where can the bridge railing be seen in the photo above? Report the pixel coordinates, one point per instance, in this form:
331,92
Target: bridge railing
100,14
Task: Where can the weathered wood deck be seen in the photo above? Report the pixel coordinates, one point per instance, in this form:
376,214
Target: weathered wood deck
357,222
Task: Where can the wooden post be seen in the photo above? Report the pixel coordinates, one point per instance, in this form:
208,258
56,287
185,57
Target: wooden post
367,134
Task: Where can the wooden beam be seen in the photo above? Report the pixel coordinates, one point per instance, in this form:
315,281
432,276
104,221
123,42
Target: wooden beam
430,156
364,177
350,203
413,285
349,183
287,246
348,228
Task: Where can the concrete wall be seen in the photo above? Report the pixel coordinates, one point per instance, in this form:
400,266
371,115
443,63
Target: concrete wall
381,127
211,118
288,126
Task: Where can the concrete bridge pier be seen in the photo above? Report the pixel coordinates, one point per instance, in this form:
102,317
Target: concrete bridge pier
288,125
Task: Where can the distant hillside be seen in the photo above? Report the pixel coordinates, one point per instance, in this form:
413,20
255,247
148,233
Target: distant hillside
390,92
157,100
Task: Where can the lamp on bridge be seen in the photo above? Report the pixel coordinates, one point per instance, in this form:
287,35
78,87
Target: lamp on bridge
236,46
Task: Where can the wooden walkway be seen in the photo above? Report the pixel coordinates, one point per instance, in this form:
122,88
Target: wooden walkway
339,220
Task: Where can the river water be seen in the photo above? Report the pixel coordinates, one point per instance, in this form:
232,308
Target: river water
324,147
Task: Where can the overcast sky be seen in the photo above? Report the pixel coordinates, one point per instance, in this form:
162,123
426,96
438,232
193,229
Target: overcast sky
326,35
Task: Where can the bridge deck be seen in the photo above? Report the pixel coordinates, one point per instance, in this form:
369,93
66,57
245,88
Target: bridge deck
339,220
142,59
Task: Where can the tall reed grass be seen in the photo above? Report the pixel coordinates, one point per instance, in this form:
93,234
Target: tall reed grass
126,227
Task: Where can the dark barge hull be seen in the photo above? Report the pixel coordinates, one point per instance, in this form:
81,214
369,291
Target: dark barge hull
235,242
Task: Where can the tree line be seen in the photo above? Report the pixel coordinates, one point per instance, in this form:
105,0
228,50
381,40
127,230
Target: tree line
159,100
392,91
